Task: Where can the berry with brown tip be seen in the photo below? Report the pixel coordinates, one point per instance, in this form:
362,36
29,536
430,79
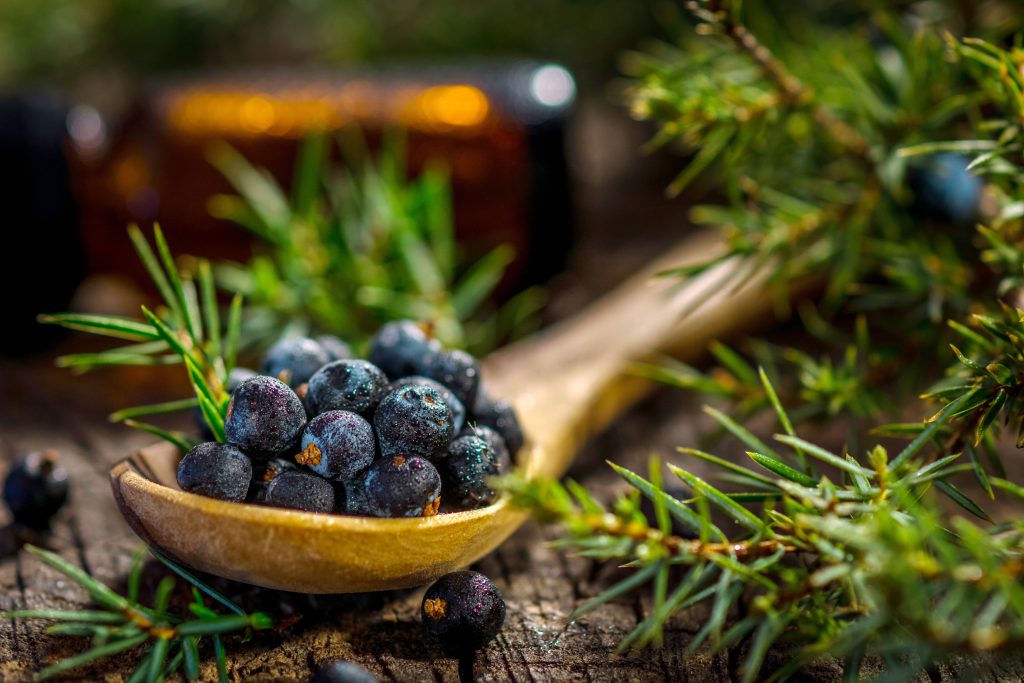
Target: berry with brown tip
414,420
463,610
337,445
265,472
397,486
458,410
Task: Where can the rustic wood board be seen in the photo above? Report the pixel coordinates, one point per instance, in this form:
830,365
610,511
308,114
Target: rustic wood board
44,408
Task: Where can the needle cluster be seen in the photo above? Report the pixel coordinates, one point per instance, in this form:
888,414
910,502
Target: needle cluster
843,555
169,642
185,329
351,248
815,130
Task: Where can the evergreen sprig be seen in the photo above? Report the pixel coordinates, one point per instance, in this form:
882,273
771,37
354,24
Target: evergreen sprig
186,330
808,158
350,249
835,554
928,285
989,346
806,122
843,385
809,125
119,623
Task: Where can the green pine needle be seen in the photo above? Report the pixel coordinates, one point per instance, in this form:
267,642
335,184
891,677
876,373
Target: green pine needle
173,639
839,569
178,338
368,235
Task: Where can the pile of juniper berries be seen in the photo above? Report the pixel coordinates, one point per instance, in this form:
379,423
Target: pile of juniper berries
397,435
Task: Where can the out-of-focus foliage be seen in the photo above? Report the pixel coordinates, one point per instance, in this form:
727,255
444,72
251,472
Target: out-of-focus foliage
824,131
70,40
349,250
802,132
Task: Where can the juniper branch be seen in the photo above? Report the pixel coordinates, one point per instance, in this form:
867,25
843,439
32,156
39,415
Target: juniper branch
124,624
722,16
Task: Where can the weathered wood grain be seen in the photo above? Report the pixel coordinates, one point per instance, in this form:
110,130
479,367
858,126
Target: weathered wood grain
41,408
380,632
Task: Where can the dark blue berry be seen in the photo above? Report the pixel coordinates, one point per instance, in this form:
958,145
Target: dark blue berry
36,488
501,417
414,420
301,491
463,610
402,348
945,190
334,347
458,371
265,472
216,470
342,672
264,418
493,440
464,473
458,410
337,445
349,498
398,486
293,360
353,385
235,377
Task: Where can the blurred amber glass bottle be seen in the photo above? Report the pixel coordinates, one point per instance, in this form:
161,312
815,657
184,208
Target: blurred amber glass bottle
499,128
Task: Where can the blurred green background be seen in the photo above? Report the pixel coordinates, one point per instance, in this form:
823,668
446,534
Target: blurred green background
113,57
78,42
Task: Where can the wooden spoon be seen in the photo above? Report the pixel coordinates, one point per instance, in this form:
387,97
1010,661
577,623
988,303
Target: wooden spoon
566,383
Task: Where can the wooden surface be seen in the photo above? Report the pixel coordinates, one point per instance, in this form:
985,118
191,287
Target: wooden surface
41,407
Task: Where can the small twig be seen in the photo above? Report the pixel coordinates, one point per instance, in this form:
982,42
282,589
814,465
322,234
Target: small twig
792,88
676,546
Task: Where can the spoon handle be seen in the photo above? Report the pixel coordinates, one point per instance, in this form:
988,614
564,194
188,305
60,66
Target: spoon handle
572,379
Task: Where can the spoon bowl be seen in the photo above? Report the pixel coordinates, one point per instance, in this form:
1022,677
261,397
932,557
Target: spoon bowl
566,383
295,550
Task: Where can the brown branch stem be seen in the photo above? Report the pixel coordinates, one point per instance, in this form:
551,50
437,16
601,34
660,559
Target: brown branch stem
792,88
676,546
